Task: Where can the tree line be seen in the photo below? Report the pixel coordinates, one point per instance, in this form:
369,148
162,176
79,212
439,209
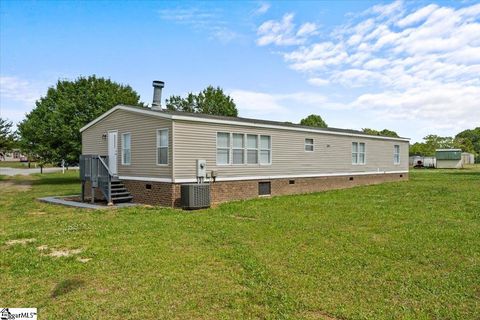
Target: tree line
467,140
50,133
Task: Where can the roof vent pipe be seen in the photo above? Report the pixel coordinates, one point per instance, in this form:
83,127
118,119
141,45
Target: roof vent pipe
157,94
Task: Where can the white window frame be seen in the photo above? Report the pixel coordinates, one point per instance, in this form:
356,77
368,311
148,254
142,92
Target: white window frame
123,149
396,155
229,149
261,149
158,146
309,144
251,149
357,153
244,149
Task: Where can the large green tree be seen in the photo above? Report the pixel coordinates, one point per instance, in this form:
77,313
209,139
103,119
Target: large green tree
209,101
473,136
384,132
50,131
7,136
430,144
314,120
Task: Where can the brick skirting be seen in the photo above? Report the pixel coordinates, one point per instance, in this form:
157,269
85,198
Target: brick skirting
168,194
240,190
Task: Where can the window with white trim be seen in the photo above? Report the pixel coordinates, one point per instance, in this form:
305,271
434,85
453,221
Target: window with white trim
396,154
126,149
223,148
265,150
238,148
308,144
358,153
162,147
252,149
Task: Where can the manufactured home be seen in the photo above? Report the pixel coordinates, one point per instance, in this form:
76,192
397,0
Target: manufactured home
147,154
13,155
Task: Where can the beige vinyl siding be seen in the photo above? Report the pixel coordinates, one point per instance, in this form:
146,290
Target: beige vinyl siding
143,129
332,153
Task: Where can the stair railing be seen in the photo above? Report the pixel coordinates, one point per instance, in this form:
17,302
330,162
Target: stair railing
94,168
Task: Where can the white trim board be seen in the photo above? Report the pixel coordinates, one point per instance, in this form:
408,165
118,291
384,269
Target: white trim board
231,122
221,179
147,179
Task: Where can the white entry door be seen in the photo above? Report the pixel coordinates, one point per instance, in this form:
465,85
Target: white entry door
112,151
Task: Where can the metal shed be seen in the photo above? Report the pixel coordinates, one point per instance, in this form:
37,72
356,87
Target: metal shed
449,158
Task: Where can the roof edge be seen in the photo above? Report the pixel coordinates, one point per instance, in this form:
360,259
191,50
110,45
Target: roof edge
189,117
126,108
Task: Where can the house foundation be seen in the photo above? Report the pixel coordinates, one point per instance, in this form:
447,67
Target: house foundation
168,194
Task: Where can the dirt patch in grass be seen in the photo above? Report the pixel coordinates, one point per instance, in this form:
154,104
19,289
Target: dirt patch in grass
19,241
37,213
17,185
57,253
84,260
64,252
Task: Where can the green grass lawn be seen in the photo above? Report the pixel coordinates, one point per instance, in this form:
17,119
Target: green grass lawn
14,164
403,250
21,165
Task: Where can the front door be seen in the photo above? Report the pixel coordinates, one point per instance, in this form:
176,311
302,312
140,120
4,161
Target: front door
112,151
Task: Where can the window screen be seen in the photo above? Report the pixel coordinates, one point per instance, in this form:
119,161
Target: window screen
126,148
265,150
252,149
308,144
162,146
396,154
223,148
238,148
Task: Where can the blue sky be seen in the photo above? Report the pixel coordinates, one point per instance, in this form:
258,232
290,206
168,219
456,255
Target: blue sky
412,67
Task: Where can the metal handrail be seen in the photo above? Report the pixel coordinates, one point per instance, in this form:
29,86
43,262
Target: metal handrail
105,179
93,168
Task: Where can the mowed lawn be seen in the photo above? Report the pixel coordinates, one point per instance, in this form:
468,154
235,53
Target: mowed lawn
403,250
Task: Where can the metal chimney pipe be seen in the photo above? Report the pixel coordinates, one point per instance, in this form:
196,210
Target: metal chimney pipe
157,94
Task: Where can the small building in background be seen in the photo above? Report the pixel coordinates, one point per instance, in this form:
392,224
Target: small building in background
422,162
449,158
13,155
468,158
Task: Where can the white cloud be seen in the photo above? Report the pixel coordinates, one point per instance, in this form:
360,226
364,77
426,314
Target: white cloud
442,106
407,63
284,32
307,29
318,82
417,16
18,96
210,21
283,107
263,7
19,90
